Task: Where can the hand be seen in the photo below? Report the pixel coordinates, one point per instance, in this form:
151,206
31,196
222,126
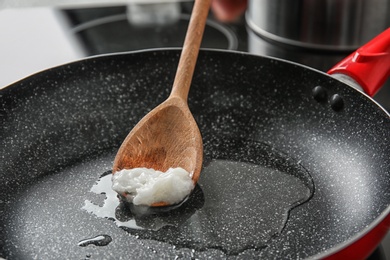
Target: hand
228,10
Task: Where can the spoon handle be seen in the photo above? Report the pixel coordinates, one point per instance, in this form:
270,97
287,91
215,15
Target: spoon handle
189,54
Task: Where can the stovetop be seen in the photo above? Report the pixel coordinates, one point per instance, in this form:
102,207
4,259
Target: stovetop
33,39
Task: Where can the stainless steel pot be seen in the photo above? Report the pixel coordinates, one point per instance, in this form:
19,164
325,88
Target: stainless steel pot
320,24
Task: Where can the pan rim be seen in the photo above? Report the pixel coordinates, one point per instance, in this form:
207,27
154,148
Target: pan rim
359,235
178,49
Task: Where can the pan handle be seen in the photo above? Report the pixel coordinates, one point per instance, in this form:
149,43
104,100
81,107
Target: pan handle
369,66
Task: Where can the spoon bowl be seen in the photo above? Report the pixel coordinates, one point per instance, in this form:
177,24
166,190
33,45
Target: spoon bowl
167,137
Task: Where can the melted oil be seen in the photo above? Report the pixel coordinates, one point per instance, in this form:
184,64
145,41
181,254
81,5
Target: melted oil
242,201
101,240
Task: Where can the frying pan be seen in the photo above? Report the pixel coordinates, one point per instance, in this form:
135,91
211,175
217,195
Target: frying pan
258,116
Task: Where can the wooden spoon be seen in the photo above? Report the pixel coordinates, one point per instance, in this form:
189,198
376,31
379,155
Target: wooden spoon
168,136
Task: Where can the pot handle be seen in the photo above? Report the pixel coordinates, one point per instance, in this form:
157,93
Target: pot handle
369,66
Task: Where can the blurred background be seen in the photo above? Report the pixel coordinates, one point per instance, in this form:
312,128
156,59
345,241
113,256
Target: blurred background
39,34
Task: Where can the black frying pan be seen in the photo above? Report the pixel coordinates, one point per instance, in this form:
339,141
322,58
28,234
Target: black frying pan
328,166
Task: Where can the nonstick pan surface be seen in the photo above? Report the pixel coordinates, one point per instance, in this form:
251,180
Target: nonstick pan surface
60,130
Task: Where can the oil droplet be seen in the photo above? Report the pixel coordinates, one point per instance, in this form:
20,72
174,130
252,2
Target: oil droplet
101,240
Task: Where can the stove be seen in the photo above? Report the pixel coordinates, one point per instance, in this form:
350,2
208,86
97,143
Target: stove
35,38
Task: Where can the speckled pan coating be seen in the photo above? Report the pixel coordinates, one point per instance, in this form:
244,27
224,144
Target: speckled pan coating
62,126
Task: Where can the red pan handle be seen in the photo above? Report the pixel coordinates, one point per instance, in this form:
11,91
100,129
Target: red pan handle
369,66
